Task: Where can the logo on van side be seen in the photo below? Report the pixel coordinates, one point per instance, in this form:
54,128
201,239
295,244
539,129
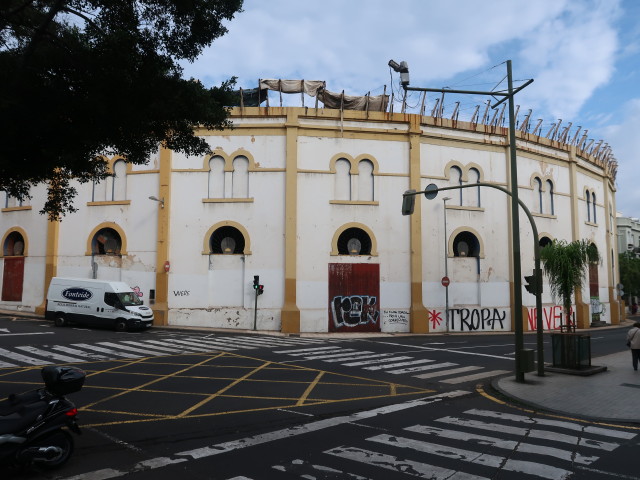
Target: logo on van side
78,294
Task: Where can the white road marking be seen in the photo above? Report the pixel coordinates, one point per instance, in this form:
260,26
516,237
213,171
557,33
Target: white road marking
362,355
20,334
475,376
106,350
373,362
390,462
128,348
553,423
343,353
75,351
511,445
205,347
306,351
470,456
452,350
401,364
314,426
531,432
21,358
452,371
422,368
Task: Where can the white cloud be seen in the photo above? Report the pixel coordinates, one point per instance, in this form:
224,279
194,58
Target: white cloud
625,142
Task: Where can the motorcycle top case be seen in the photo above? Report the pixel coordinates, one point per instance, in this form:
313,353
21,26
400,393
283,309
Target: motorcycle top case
63,380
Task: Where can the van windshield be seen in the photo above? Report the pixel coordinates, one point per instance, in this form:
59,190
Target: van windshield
129,299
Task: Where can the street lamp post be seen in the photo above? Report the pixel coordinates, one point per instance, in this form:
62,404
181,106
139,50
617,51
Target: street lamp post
507,95
446,262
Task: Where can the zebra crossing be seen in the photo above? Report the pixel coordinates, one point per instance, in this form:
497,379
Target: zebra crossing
395,364
479,444
27,355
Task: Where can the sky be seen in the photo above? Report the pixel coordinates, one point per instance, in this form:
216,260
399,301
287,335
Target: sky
583,55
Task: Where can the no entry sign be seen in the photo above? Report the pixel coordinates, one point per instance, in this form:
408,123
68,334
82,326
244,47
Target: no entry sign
445,281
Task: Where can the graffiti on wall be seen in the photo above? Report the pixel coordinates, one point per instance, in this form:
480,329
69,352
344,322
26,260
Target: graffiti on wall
396,317
470,319
354,297
552,317
597,309
354,310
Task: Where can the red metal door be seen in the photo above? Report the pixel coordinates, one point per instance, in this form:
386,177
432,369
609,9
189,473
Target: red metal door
12,279
354,297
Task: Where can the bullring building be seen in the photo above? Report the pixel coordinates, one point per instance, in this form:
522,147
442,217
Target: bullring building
308,200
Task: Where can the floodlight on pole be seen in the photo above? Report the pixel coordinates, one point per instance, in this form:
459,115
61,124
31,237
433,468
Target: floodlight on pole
403,69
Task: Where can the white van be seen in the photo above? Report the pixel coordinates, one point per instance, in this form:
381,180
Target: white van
97,303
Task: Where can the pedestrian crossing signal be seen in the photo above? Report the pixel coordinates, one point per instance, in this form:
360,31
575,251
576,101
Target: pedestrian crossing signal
256,282
260,289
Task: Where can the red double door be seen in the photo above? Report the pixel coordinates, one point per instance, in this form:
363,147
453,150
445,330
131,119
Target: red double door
12,279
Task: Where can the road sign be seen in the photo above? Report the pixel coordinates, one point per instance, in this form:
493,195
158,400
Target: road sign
445,281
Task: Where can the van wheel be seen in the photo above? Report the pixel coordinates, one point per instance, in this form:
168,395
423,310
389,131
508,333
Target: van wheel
60,321
121,326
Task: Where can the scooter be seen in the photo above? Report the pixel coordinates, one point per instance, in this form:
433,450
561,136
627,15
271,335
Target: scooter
32,424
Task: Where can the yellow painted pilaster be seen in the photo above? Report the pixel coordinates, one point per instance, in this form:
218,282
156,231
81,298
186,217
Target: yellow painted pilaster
161,307
612,246
51,261
582,309
290,314
418,314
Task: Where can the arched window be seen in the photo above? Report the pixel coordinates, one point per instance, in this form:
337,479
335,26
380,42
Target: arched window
216,177
538,194
466,245
593,203
588,195
240,178
544,241
12,201
226,240
119,180
113,187
365,181
354,241
551,207
106,241
474,193
343,180
13,245
455,179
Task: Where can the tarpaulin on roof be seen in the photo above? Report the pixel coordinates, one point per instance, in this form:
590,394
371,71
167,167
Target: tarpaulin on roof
310,87
348,102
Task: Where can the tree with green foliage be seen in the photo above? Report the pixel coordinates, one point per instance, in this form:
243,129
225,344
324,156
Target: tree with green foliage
565,265
629,266
84,78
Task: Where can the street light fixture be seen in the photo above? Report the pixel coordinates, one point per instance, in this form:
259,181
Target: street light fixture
507,96
446,262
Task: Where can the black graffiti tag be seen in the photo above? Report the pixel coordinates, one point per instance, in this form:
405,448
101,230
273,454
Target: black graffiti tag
354,310
477,318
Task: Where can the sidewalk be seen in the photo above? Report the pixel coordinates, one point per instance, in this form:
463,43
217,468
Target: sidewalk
613,395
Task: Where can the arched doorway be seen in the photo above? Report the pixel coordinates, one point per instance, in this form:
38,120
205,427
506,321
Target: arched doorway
13,251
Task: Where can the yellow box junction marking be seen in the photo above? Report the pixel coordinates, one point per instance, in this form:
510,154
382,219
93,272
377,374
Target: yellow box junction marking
257,386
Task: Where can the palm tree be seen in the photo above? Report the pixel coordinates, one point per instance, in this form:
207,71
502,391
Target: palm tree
566,265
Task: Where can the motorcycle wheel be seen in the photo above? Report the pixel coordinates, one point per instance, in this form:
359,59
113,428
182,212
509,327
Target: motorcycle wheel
61,439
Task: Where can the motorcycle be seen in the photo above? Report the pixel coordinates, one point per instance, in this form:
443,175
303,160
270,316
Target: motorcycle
32,424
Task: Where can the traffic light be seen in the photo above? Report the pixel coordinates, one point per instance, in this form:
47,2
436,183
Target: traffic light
256,282
260,289
408,202
534,282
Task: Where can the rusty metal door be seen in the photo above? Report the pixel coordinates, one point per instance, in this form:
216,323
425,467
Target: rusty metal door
354,297
12,279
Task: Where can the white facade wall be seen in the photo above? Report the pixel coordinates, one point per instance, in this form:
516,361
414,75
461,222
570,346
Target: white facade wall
204,289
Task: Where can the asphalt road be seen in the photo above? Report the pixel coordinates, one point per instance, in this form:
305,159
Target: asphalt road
165,403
